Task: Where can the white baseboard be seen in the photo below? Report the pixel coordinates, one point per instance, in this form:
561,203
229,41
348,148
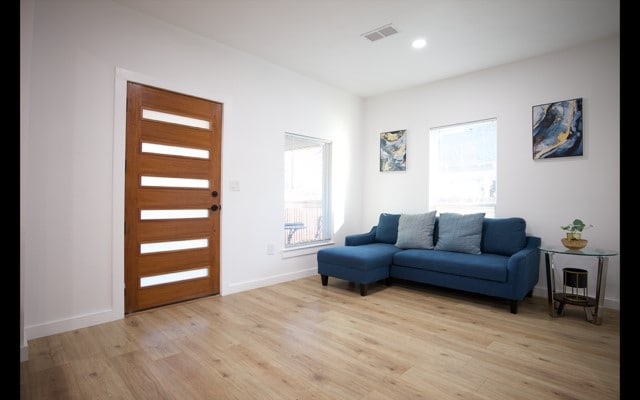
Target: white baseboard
60,326
69,324
272,280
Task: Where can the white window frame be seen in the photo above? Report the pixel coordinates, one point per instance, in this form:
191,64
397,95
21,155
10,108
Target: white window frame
315,233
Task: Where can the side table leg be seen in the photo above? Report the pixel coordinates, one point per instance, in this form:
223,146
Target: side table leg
603,264
589,315
560,308
551,286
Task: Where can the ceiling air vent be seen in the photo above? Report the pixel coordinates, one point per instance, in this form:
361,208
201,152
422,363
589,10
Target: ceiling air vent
381,32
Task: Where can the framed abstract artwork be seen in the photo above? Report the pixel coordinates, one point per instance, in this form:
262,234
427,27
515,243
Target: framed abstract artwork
393,151
557,129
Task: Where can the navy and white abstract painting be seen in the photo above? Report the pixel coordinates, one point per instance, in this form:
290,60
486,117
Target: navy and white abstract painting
393,151
557,129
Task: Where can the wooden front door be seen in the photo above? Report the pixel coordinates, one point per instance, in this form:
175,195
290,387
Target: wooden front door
172,197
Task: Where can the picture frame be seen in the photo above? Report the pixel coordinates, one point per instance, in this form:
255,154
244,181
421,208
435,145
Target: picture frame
393,151
557,129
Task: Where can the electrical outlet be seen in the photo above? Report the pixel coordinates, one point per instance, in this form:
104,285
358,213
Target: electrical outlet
270,248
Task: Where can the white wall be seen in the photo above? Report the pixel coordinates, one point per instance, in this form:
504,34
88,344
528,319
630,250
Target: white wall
547,193
72,174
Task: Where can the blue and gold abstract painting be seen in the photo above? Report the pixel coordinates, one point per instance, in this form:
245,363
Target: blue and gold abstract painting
393,151
557,129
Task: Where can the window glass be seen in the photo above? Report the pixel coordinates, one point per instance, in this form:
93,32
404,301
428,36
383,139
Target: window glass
463,168
306,193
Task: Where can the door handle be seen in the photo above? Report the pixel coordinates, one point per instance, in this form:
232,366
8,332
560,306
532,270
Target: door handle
215,207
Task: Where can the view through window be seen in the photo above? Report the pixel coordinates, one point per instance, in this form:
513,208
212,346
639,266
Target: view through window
463,168
307,163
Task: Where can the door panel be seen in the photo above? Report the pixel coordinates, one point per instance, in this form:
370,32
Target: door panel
159,132
153,264
173,293
166,230
172,186
157,165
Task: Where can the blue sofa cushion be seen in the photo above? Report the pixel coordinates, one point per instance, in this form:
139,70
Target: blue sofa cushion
504,236
415,231
460,232
363,257
491,267
387,230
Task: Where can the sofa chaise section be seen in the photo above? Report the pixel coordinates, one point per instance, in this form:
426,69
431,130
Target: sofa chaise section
361,264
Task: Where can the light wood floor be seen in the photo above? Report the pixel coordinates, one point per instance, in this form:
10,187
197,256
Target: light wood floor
300,340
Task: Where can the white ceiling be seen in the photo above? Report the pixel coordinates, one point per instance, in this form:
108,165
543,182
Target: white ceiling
323,39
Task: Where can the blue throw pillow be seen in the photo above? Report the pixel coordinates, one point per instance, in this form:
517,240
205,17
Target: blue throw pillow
504,236
387,230
415,231
461,233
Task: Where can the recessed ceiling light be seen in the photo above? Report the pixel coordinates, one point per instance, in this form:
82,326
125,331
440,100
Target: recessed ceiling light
419,43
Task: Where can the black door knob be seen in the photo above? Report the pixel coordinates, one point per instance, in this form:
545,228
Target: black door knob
214,194
215,207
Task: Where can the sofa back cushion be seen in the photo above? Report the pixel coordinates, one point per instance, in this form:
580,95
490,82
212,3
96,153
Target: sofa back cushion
503,236
460,233
387,229
415,231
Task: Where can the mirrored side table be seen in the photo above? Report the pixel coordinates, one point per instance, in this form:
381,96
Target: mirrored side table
557,300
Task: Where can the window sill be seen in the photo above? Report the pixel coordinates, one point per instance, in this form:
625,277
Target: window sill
304,250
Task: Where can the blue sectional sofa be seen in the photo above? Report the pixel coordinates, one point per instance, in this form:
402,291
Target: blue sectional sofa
490,256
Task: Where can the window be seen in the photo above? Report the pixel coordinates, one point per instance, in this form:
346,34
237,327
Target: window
462,168
307,213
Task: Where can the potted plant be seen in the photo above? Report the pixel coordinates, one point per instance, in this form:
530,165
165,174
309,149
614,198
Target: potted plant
574,229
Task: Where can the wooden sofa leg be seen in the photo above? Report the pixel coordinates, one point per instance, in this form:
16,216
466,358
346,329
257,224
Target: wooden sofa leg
325,279
514,306
530,294
363,289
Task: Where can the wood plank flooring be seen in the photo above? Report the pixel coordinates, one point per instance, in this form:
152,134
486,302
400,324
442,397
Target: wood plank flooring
301,340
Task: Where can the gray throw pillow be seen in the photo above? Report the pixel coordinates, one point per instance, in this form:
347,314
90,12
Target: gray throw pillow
461,233
415,231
